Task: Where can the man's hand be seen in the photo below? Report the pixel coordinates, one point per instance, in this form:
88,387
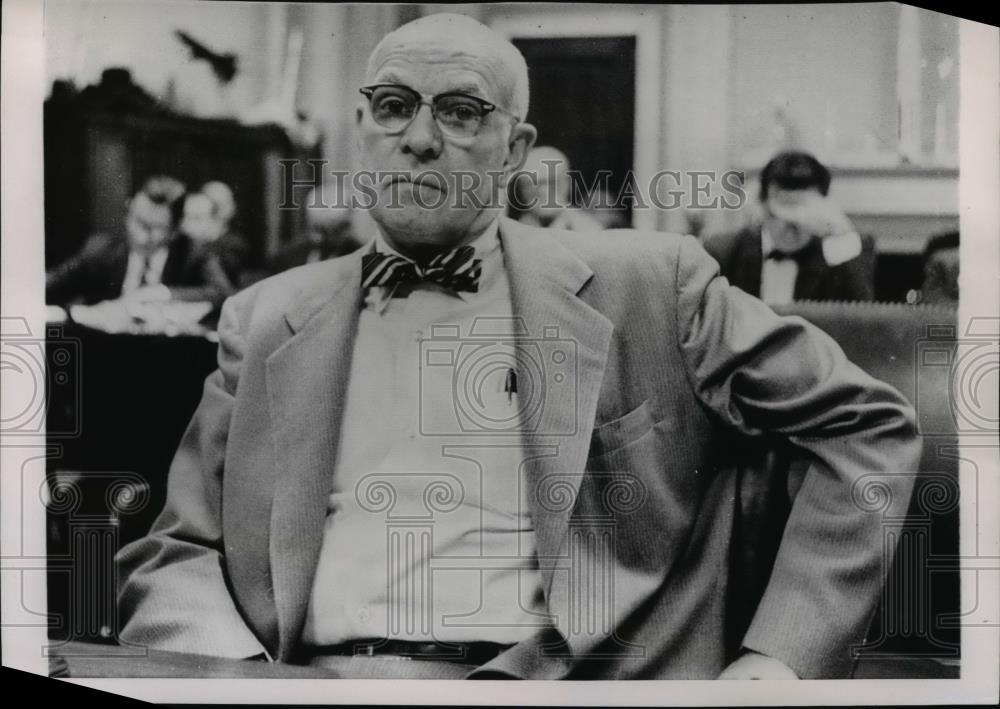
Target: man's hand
753,665
816,215
149,294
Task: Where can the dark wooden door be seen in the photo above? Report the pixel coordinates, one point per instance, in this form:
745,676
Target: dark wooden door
583,102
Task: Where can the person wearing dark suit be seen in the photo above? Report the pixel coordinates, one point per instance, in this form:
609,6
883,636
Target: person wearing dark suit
498,449
329,234
543,193
741,258
224,238
804,248
941,259
320,245
152,264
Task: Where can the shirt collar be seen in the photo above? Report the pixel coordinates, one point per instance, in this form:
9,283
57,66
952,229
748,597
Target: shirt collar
766,242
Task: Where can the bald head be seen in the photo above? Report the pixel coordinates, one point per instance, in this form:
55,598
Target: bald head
424,198
543,187
461,36
222,199
545,160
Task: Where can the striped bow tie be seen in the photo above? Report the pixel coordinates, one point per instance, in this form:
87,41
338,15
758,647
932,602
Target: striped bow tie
455,270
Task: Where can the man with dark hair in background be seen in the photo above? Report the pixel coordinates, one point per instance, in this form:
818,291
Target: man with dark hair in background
804,247
152,264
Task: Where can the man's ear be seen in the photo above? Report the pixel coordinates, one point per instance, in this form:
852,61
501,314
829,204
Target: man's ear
522,139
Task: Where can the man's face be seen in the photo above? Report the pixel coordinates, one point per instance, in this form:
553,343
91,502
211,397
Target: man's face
448,208
199,220
783,210
147,225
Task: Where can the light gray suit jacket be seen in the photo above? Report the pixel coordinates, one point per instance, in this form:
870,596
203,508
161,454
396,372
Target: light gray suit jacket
632,502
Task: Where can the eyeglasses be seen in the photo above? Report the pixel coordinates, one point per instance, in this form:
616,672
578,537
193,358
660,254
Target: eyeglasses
458,115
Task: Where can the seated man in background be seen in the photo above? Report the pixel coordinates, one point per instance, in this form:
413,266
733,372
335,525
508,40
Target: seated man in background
543,189
804,248
941,266
228,242
151,264
199,221
329,233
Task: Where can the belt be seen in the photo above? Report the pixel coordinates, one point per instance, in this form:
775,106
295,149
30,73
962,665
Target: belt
474,653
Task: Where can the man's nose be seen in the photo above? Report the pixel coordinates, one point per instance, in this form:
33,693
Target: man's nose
423,137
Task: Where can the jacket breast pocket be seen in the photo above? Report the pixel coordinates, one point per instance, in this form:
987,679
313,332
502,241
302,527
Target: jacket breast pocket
622,431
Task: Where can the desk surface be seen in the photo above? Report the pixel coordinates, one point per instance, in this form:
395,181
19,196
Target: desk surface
78,659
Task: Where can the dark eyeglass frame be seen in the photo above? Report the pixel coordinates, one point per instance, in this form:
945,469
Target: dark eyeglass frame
487,107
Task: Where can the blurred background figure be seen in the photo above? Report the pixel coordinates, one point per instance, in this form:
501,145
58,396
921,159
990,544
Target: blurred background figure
227,241
605,210
329,233
804,247
199,221
941,267
541,193
223,202
151,263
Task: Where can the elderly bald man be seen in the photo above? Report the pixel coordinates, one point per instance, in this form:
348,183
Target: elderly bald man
479,449
543,193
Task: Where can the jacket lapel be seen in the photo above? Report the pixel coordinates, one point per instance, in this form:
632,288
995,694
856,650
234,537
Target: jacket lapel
306,385
546,279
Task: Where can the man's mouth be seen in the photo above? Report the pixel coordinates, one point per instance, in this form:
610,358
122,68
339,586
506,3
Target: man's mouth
432,181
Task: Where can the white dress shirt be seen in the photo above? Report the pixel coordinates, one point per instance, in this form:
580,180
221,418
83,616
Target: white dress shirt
428,535
141,272
777,278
